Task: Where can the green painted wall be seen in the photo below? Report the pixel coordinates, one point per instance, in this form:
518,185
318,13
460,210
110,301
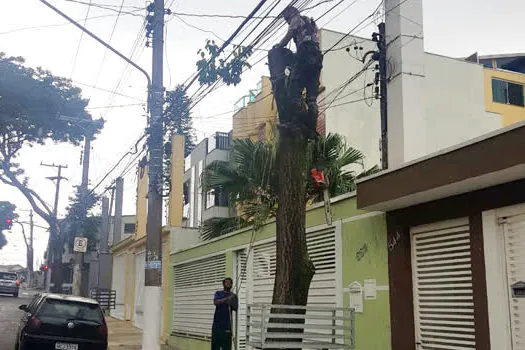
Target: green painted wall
373,325
183,343
365,256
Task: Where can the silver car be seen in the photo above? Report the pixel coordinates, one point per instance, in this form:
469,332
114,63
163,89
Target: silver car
9,283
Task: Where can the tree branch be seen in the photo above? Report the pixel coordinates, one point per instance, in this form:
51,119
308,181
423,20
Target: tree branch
23,233
30,196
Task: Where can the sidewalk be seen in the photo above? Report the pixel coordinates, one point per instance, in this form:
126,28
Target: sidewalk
122,335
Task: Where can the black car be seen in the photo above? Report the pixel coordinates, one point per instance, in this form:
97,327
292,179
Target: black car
62,322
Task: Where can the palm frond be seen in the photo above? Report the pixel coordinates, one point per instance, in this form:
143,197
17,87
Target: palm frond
221,226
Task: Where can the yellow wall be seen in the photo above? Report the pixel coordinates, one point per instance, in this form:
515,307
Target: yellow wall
511,114
261,113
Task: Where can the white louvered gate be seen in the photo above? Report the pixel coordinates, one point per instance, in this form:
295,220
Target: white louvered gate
118,284
442,280
240,287
514,232
194,286
322,251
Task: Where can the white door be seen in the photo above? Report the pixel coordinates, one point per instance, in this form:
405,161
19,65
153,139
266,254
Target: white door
140,262
118,284
514,235
442,281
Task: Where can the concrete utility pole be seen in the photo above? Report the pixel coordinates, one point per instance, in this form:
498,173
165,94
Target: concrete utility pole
105,259
79,256
153,268
30,253
52,260
383,81
119,202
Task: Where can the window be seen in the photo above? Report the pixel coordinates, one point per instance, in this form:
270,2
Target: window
8,276
186,192
129,228
210,199
507,92
69,310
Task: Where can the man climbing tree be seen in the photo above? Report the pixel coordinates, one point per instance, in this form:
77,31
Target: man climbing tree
306,68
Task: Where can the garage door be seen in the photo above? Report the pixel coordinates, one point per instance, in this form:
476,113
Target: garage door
119,285
514,230
442,281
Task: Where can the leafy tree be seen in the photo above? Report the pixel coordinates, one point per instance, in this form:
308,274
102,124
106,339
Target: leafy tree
177,121
77,221
251,179
213,68
33,104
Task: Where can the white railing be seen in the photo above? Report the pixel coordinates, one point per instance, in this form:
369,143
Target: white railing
299,327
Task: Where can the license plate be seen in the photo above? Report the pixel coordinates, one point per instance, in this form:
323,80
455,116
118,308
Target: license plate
66,346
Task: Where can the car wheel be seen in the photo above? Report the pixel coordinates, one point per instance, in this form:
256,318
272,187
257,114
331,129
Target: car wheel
15,295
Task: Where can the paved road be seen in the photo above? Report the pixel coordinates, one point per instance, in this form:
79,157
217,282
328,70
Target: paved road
9,317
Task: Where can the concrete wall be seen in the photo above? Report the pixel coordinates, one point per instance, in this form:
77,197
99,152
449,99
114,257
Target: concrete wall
363,254
198,156
453,102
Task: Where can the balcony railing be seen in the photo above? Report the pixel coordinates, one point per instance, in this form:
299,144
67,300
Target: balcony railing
220,140
299,327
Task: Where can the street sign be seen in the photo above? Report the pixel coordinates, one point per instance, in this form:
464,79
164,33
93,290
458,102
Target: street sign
80,244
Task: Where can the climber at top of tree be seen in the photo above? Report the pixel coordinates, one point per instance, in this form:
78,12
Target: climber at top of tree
307,66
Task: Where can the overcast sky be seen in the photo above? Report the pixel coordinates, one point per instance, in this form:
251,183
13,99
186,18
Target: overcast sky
31,30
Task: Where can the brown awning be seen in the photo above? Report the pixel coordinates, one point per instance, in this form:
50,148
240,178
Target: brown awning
491,160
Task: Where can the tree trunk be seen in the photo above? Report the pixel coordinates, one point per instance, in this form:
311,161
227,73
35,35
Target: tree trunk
294,269
57,249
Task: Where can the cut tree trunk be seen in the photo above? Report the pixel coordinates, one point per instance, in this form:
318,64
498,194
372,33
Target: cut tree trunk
294,269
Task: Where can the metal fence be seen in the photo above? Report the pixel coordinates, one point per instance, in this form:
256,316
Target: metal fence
105,297
299,327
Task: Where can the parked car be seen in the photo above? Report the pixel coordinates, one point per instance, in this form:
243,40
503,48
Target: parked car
9,283
62,322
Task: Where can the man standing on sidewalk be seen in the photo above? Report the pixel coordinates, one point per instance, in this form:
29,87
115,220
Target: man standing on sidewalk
225,302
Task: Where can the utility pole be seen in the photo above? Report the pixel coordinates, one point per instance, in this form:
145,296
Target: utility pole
54,260
119,201
380,39
79,256
30,252
105,260
153,267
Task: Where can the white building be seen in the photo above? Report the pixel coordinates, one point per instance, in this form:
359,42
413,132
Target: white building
451,101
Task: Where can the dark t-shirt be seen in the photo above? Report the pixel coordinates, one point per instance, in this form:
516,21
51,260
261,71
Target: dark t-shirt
221,319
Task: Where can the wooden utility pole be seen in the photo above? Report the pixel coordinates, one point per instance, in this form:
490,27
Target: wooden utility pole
54,245
153,267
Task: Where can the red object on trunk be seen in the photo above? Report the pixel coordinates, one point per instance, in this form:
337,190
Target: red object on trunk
318,176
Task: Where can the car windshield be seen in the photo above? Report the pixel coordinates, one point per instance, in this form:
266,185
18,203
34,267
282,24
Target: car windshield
71,310
7,276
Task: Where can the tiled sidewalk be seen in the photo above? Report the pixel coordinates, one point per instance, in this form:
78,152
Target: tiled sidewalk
124,336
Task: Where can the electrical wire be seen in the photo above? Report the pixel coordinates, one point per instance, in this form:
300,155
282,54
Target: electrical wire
107,7
55,25
109,42
80,41
107,90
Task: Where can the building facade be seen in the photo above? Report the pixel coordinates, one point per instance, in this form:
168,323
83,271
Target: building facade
200,207
351,253
456,244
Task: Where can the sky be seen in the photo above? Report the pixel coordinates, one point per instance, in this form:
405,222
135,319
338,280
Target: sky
31,30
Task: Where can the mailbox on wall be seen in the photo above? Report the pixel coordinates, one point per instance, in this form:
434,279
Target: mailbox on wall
518,290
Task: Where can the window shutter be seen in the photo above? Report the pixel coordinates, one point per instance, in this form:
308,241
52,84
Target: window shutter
321,248
442,279
194,286
240,283
514,230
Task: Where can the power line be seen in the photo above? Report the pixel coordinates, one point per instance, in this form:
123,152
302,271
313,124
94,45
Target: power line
108,7
118,106
109,42
198,28
55,25
110,91
80,40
